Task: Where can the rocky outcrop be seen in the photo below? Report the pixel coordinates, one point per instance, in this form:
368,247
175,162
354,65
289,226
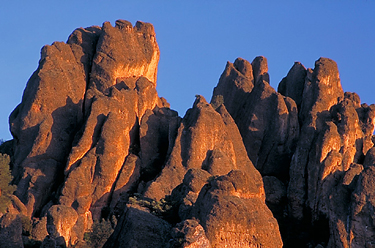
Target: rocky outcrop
123,52
322,91
109,157
232,211
360,228
333,140
254,168
139,228
267,120
317,151
189,234
82,117
206,139
44,124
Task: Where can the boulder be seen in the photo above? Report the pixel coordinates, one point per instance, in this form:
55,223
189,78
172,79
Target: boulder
139,228
232,211
186,194
189,234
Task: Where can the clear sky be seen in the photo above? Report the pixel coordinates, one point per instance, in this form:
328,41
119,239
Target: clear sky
197,38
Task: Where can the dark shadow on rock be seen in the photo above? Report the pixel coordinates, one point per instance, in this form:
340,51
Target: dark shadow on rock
156,145
11,231
46,170
139,228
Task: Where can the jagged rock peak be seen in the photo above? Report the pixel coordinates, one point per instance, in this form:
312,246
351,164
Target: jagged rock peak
244,67
293,84
93,140
260,69
305,140
81,114
122,53
255,105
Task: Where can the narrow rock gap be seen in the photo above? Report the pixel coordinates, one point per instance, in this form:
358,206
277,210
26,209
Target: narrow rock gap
115,183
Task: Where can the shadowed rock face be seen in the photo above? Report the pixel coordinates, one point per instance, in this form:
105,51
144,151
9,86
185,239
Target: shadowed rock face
93,140
139,228
267,120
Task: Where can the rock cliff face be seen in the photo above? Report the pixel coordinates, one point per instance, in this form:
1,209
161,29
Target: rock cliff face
256,167
310,141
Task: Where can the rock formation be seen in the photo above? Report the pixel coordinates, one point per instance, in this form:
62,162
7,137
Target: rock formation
256,167
267,120
232,211
319,143
139,228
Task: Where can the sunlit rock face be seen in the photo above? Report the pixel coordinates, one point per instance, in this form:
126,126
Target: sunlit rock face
44,124
231,209
312,160
207,139
123,52
255,167
77,129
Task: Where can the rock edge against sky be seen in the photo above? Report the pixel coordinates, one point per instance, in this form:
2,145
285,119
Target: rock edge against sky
255,167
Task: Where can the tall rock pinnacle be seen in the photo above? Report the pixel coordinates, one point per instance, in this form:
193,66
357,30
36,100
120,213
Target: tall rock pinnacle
86,99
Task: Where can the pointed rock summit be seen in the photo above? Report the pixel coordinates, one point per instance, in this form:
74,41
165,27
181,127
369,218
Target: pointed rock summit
100,159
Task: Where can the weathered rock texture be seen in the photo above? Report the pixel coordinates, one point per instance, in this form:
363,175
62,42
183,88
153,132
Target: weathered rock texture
189,234
309,141
139,228
207,139
79,132
232,211
255,168
267,120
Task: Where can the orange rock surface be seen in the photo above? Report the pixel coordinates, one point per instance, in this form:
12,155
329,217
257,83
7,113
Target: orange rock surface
256,167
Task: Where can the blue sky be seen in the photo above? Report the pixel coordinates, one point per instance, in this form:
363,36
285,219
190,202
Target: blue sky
197,39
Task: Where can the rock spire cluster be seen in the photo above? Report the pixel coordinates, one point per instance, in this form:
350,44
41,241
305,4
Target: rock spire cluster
93,142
